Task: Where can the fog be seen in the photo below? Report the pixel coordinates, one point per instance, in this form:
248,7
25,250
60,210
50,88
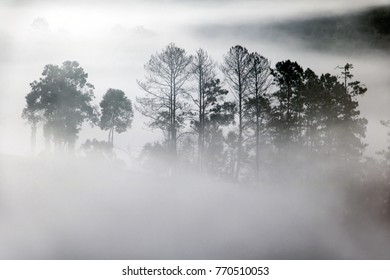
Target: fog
56,209
70,208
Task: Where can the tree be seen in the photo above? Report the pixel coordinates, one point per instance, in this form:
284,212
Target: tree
327,116
117,113
317,115
164,103
346,74
353,88
287,112
258,105
33,115
96,149
314,111
61,100
216,113
385,161
203,68
236,68
342,125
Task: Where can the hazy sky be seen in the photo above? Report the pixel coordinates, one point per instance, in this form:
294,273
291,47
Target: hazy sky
112,40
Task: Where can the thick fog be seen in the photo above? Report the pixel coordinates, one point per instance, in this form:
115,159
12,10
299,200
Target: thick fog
71,208
53,209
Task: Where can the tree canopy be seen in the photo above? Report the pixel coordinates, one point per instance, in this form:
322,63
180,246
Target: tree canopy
116,113
61,101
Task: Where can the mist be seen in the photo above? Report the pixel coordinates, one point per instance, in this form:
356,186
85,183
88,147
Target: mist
83,206
57,209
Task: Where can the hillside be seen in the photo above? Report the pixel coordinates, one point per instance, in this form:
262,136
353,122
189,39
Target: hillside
348,32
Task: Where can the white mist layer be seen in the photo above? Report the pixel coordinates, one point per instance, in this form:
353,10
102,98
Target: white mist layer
65,209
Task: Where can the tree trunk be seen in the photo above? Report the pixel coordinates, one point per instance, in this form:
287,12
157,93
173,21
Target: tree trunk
174,147
71,146
112,137
240,128
33,138
257,142
201,125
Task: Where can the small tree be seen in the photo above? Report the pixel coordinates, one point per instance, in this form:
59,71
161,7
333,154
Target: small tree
117,113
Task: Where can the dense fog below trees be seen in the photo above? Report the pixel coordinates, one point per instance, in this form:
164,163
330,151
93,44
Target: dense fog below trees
51,209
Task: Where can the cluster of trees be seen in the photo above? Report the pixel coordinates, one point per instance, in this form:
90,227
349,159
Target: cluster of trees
61,102
275,112
242,119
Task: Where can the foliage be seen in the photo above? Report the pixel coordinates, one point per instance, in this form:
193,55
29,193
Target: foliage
116,113
61,101
96,149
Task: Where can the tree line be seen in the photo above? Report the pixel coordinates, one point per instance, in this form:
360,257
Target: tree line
237,119
272,112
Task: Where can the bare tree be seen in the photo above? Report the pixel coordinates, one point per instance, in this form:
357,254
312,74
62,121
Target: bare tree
237,68
164,103
203,69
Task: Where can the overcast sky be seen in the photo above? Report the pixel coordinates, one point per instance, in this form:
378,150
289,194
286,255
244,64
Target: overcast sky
112,40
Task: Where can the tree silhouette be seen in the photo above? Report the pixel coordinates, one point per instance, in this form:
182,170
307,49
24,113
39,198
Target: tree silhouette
164,104
117,113
385,161
343,127
204,71
96,149
33,115
258,105
61,100
217,113
236,68
287,113
315,111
